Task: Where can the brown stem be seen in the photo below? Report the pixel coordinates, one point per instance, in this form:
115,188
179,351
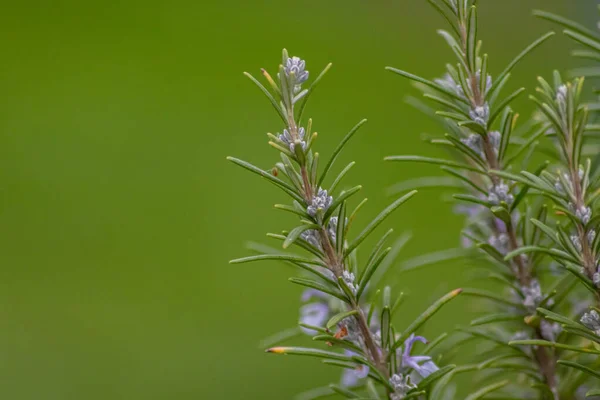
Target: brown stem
589,262
335,264
586,250
522,272
547,363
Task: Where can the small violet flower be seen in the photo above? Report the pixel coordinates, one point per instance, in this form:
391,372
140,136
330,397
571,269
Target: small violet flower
532,294
550,330
287,138
591,320
296,66
584,214
499,242
448,83
494,137
488,81
315,313
352,377
596,278
427,367
561,97
401,385
500,192
474,142
311,237
349,280
320,203
480,114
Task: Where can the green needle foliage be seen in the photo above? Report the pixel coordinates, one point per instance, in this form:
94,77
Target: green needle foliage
507,214
531,230
347,308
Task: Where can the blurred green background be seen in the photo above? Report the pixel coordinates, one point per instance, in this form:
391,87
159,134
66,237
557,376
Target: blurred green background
119,212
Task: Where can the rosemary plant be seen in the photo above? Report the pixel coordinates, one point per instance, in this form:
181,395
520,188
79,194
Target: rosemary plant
348,318
484,140
508,216
573,242
589,40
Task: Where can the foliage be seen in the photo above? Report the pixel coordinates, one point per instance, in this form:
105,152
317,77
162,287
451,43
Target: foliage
346,314
533,227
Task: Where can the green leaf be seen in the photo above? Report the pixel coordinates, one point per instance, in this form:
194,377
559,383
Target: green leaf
341,175
567,23
433,344
378,220
340,232
447,103
448,20
414,395
535,136
547,230
586,41
296,232
491,296
433,258
489,319
293,210
371,268
305,351
316,393
585,333
344,392
520,56
431,378
545,343
502,213
472,199
385,325
426,82
338,149
280,337
555,253
593,392
300,243
397,247
339,200
435,161
332,340
580,367
319,286
472,38
493,337
435,182
558,318
483,392
314,328
276,181
474,126
375,253
333,321
421,319
491,251
500,107
345,288
311,89
278,257
269,96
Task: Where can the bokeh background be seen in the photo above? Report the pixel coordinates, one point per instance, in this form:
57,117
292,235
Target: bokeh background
118,211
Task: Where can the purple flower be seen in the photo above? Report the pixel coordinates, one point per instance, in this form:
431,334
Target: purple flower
314,313
408,361
319,203
352,377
